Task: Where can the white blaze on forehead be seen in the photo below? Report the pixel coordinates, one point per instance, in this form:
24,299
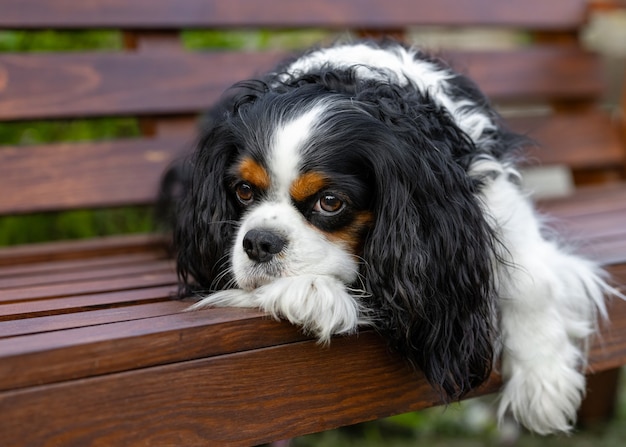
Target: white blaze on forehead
287,145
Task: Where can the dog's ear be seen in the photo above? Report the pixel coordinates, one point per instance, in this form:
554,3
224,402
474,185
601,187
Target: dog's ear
428,258
198,208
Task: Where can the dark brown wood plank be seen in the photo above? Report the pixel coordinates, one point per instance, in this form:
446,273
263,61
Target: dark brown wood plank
161,14
81,249
87,351
587,201
178,82
75,305
532,73
67,176
162,277
285,392
582,140
41,324
46,268
101,272
98,84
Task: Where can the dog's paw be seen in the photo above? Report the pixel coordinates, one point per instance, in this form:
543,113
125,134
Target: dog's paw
319,304
545,400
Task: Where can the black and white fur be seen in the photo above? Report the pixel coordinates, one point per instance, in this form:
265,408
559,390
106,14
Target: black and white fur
369,184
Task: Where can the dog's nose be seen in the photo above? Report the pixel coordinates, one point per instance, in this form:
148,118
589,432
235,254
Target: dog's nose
262,245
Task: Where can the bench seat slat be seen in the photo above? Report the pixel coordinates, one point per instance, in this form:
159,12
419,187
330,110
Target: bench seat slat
101,272
119,346
366,383
152,279
160,14
168,82
83,302
56,322
588,201
46,268
81,249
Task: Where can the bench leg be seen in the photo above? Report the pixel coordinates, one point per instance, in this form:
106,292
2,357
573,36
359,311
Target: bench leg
600,402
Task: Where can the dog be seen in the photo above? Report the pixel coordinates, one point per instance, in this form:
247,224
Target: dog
369,184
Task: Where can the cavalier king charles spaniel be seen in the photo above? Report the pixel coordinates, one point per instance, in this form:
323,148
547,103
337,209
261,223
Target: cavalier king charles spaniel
368,184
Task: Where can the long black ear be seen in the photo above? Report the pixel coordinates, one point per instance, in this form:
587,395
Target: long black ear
195,202
428,258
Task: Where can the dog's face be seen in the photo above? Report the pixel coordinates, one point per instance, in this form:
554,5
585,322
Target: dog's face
302,211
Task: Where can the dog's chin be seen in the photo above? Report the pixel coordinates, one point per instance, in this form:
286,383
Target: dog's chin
321,305
254,281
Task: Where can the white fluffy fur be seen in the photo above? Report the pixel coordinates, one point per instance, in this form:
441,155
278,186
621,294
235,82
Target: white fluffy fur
549,301
320,304
549,298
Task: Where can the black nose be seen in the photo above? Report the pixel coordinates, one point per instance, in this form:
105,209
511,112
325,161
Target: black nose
262,245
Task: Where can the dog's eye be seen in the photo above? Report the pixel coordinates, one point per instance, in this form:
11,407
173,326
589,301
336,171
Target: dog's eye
329,205
245,193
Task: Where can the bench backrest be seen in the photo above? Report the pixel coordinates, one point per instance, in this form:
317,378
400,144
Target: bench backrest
165,86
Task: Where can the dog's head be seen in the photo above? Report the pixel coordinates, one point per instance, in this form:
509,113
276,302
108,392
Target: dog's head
325,172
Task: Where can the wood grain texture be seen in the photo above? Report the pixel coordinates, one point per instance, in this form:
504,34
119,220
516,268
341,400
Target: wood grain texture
583,140
96,84
163,14
65,176
287,390
168,82
87,175
81,249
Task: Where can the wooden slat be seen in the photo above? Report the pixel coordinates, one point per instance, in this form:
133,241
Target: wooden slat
285,392
120,346
582,140
46,268
41,324
532,73
81,249
120,83
101,272
181,82
83,302
128,172
161,277
536,14
84,175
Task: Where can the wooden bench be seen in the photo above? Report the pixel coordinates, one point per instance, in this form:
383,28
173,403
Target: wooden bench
93,351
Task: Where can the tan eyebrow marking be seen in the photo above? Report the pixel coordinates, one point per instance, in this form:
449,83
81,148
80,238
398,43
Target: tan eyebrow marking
306,185
252,172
